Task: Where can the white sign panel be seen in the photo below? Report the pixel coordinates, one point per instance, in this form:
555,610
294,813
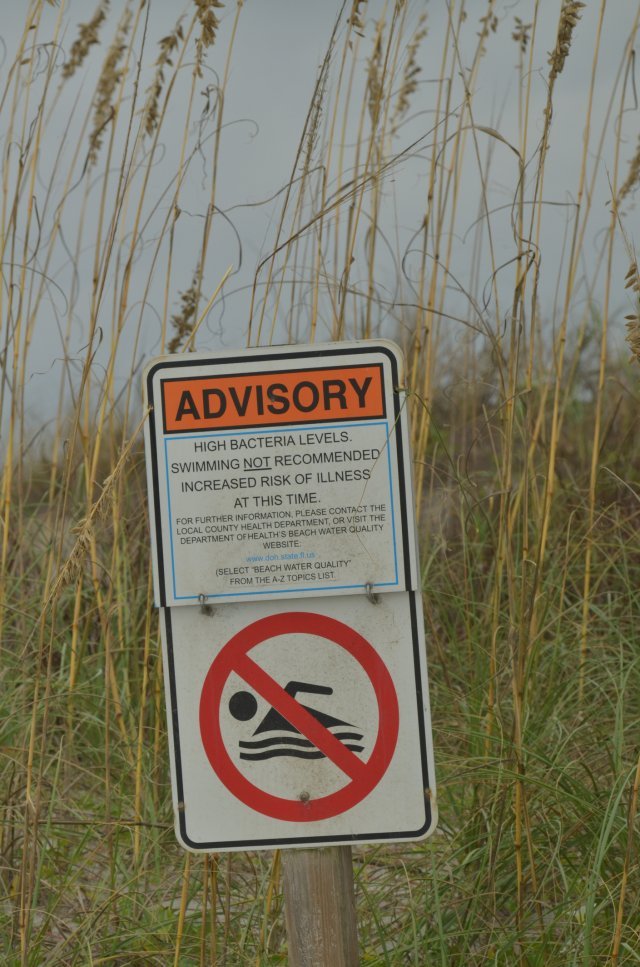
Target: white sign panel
280,472
299,725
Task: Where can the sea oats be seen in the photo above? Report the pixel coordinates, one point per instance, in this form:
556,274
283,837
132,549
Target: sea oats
184,320
374,79
355,18
209,23
410,74
167,46
521,33
632,281
87,37
110,77
489,24
633,335
315,116
569,17
633,177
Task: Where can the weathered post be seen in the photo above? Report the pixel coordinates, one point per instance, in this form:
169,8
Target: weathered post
320,907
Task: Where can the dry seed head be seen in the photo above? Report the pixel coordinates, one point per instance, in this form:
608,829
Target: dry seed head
355,19
208,19
209,24
521,34
633,335
489,24
315,116
633,177
569,17
110,77
410,74
183,321
374,82
632,281
87,37
167,46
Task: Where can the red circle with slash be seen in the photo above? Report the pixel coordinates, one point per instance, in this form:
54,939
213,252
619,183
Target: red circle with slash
362,776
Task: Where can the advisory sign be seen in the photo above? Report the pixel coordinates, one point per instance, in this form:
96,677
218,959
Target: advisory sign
280,472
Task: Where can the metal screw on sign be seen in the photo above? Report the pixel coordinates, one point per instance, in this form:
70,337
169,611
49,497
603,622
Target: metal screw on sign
372,597
205,608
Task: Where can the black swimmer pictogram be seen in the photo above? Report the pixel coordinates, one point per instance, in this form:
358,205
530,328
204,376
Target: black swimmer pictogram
244,705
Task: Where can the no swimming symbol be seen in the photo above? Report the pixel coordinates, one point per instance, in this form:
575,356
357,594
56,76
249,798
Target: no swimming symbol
244,705
323,734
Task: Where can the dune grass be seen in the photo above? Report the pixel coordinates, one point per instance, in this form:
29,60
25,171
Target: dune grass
525,463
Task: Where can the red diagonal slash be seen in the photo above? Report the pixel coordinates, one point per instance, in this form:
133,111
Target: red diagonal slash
360,777
299,717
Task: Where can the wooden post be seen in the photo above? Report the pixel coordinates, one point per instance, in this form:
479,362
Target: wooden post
320,907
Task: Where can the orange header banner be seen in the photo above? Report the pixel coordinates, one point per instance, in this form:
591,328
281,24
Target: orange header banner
272,399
